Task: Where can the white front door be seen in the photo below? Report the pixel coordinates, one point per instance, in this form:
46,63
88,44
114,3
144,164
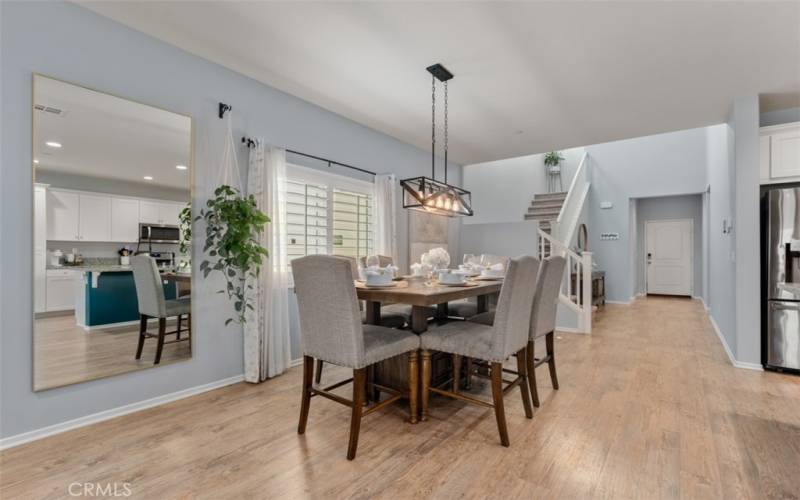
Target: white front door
669,257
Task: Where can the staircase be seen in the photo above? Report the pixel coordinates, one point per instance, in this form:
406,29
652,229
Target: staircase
545,209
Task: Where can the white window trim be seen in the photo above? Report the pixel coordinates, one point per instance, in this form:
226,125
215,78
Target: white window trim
314,176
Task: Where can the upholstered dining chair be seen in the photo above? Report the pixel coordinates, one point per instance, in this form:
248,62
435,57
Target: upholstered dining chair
383,261
493,344
152,304
543,320
331,330
388,317
467,308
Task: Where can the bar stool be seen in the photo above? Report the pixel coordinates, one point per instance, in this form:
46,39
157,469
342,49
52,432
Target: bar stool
543,320
152,304
331,330
492,344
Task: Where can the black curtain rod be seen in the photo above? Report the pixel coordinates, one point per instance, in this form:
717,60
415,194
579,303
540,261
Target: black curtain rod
250,143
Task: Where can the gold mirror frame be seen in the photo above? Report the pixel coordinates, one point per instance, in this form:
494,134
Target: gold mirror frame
191,176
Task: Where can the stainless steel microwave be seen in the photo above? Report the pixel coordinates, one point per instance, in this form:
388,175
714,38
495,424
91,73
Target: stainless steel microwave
159,233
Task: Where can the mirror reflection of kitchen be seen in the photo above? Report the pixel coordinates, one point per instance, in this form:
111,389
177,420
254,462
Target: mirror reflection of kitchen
112,178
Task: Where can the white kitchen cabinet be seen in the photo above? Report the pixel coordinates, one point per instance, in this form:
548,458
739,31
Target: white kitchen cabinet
124,220
148,212
39,248
61,290
63,209
95,218
780,153
154,212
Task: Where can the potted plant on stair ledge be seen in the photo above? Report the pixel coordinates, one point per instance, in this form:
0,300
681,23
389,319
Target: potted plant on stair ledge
552,162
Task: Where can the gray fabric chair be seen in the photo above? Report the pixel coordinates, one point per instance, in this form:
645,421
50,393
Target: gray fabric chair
389,318
494,344
543,320
152,304
466,309
331,330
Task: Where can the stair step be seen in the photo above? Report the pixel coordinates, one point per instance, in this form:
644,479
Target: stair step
547,204
550,196
542,219
545,212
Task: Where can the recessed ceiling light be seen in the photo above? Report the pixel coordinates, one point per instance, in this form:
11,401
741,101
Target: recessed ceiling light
53,144
148,178
181,167
36,161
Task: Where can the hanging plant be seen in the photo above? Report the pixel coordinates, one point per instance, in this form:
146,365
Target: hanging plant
185,218
233,224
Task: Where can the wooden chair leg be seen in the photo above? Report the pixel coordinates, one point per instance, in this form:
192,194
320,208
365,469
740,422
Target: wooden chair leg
189,330
318,372
456,372
551,363
413,383
359,388
497,397
522,369
532,373
162,331
426,382
468,382
142,330
178,330
305,403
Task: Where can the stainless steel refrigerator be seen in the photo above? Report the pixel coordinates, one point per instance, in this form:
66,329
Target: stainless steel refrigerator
781,283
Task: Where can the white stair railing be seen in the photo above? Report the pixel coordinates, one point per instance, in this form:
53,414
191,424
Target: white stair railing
563,229
576,288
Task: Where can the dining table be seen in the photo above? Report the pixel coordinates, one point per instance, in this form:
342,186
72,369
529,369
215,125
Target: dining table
421,295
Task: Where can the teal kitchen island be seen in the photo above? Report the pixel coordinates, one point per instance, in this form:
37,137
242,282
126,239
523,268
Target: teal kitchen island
106,296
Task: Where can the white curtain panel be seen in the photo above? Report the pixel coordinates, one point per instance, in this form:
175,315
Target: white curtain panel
266,331
385,222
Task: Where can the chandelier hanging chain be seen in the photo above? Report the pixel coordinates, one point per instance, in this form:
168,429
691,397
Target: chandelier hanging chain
433,127
445,132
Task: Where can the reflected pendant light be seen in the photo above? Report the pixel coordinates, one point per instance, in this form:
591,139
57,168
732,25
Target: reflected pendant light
426,194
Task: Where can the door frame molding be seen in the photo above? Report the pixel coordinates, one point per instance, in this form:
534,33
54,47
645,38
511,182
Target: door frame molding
691,251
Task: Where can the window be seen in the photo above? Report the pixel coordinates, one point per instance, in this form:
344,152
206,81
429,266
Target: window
352,223
327,214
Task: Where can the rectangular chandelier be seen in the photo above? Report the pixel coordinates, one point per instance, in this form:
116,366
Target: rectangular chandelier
429,195
426,194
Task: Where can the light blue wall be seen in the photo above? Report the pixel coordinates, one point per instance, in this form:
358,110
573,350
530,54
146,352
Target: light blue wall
779,116
744,121
68,42
721,266
657,165
670,207
502,190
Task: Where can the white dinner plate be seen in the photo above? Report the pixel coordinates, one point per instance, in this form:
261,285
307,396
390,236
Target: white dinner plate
465,284
488,278
387,285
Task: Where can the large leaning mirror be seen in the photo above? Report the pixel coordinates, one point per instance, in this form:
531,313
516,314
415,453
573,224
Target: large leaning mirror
112,275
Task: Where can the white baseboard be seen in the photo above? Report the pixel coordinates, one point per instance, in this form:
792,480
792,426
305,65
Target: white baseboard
50,430
569,329
296,362
620,302
731,358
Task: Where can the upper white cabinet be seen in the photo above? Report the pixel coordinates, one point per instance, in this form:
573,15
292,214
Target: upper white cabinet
780,153
80,216
63,208
39,248
94,218
124,220
155,212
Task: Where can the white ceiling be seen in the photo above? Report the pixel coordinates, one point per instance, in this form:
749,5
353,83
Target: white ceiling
529,77
109,137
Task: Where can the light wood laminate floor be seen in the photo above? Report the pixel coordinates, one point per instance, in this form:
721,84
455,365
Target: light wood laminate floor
64,353
649,407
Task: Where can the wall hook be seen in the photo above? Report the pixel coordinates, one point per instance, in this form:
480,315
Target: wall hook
223,108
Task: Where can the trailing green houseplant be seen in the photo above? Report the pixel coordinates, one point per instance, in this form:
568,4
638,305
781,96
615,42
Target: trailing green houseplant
233,225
